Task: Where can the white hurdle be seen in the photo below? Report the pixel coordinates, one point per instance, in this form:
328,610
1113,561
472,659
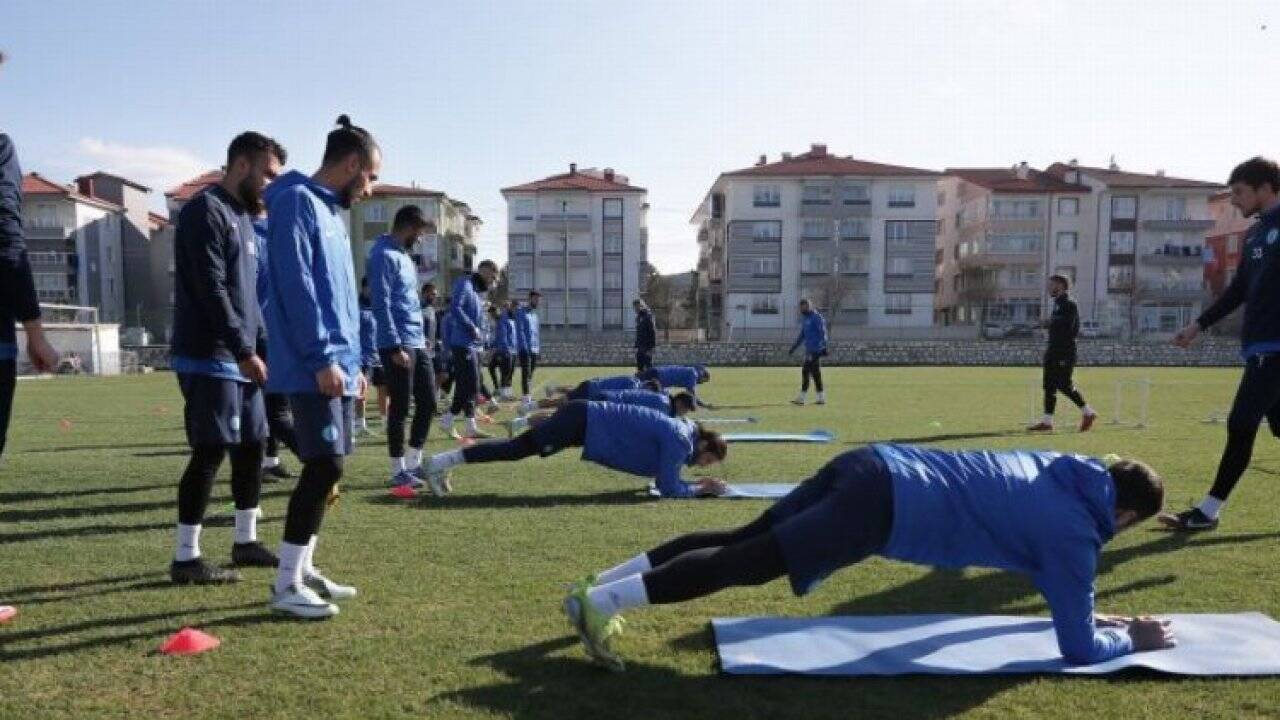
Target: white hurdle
1141,392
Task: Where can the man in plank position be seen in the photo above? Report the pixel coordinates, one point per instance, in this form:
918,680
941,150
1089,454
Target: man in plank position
1040,513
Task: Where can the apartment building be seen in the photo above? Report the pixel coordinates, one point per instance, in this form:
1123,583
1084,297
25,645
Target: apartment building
1150,229
75,248
1001,233
855,237
1223,243
580,238
440,257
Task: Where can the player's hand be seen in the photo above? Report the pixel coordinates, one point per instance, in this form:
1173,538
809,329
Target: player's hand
1186,335
253,368
1148,633
331,381
42,354
1111,621
710,487
401,358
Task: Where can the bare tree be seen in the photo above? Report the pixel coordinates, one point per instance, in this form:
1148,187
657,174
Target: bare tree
978,286
832,292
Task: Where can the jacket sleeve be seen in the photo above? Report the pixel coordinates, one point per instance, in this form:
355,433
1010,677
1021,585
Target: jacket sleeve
822,331
672,453
17,286
294,230
1066,581
382,275
203,237
522,330
1232,298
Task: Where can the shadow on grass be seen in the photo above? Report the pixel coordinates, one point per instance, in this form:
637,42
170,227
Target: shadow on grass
18,592
104,529
117,509
545,682
488,501
943,437
17,497
115,446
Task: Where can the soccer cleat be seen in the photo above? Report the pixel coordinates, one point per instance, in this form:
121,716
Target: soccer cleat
407,478
253,554
594,629
1189,520
1040,427
199,572
302,602
439,482
404,492
7,613
493,405
1087,421
822,399
475,433
328,589
799,400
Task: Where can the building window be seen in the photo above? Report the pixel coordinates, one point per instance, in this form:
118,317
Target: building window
522,279
854,228
897,304
1233,243
767,267
1066,271
612,279
1067,242
1124,208
1120,278
903,231
524,209
612,242
816,228
813,263
902,196
1175,208
766,231
1020,277
521,244
766,196
1020,243
613,207
900,266
1068,207
816,195
855,264
374,212
855,194
764,304
1121,243
1015,208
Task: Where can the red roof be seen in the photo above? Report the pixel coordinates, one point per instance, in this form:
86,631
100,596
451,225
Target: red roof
1007,180
1120,178
575,180
124,180
819,162
36,184
404,191
188,189
158,220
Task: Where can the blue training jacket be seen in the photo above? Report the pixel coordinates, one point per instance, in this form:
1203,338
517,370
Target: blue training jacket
1256,285
312,314
1040,513
504,334
640,441
527,330
615,382
368,338
813,333
393,295
659,401
681,376
466,315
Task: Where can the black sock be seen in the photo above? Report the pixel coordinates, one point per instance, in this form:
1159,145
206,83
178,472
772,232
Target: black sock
196,484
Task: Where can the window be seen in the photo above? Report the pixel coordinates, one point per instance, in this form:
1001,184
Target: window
855,264
613,207
766,231
1175,208
1068,207
521,244
45,216
50,281
902,196
768,266
1066,271
854,228
855,194
374,212
1068,242
955,283
522,279
1233,244
903,231
1021,277
551,278
612,279
765,196
813,263
1015,208
764,305
816,195
815,228
1124,208
524,208
612,242
1014,243
900,266
1121,243
897,304
1120,277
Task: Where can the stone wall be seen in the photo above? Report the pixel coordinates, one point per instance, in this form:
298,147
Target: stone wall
1212,353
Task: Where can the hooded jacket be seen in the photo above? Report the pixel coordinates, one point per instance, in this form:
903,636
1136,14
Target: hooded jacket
527,330
659,401
466,314
640,441
18,300
813,333
393,295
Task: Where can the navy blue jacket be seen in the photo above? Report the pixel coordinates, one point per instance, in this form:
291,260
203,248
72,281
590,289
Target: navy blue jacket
646,331
1257,287
466,315
217,321
18,301
369,357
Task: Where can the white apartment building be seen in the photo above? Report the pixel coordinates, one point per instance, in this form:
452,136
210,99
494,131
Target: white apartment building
580,238
855,237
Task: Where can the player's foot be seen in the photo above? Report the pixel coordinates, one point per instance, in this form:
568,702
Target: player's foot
1189,520
437,481
799,399
253,554
515,426
594,629
328,589
473,432
1087,421
276,473
493,405
302,602
407,478
7,613
199,572
1041,427
822,399
550,392
585,582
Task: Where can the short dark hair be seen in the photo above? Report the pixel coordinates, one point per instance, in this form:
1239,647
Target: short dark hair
685,398
250,145
1138,487
1062,279
487,264
411,216
347,139
534,293
428,286
714,441
1256,172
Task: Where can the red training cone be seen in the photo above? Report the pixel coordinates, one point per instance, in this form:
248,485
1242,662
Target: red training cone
7,613
404,492
189,641
65,424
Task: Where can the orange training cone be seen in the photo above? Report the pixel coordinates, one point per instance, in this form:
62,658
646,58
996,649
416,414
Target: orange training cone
189,641
7,613
65,424
404,492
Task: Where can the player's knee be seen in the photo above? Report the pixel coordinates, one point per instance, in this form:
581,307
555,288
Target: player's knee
1242,422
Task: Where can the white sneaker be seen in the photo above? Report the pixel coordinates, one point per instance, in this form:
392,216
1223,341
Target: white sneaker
326,588
822,399
303,602
493,405
439,482
799,399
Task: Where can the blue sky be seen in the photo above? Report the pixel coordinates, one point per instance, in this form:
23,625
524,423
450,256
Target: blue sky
471,97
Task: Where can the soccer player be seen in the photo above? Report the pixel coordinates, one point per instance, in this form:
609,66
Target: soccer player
627,438
1254,187
646,335
584,390
503,346
279,418
402,339
685,377
466,339
813,335
370,363
18,300
314,322
678,406
510,347
1039,513
528,345
217,328
1060,357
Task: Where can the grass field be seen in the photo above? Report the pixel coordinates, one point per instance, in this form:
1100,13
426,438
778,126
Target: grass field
458,614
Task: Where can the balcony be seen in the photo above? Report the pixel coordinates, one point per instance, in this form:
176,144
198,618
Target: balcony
564,222
1178,223
1172,256
1185,290
1002,256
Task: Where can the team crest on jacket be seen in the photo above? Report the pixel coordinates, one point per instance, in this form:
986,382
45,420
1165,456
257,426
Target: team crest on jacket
1271,236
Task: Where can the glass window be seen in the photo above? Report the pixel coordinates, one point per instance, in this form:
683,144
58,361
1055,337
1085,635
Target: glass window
854,228
767,231
1068,207
1124,208
817,195
521,244
522,279
1015,208
897,304
1120,277
813,263
900,266
1014,243
1067,242
1121,243
768,266
855,264
855,193
374,212
764,305
902,196
766,196
1175,208
816,228
612,279
613,207
612,242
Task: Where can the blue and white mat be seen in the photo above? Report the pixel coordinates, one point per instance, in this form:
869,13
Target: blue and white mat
813,436
1226,645
753,491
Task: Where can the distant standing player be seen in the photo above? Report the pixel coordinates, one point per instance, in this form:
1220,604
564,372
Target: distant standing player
813,335
528,346
646,335
466,339
1060,357
1254,187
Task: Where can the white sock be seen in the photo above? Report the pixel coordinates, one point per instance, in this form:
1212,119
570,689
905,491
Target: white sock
472,427
1210,506
397,466
246,526
822,395
270,462
188,543
1047,419
291,559
413,459
619,595
527,399
634,566
518,424
1088,411
447,459
308,555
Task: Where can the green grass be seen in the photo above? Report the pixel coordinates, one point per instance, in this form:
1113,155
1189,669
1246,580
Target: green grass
458,614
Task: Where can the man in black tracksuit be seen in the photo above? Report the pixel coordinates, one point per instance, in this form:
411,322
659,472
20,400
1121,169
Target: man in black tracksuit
1060,357
1254,187
646,335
